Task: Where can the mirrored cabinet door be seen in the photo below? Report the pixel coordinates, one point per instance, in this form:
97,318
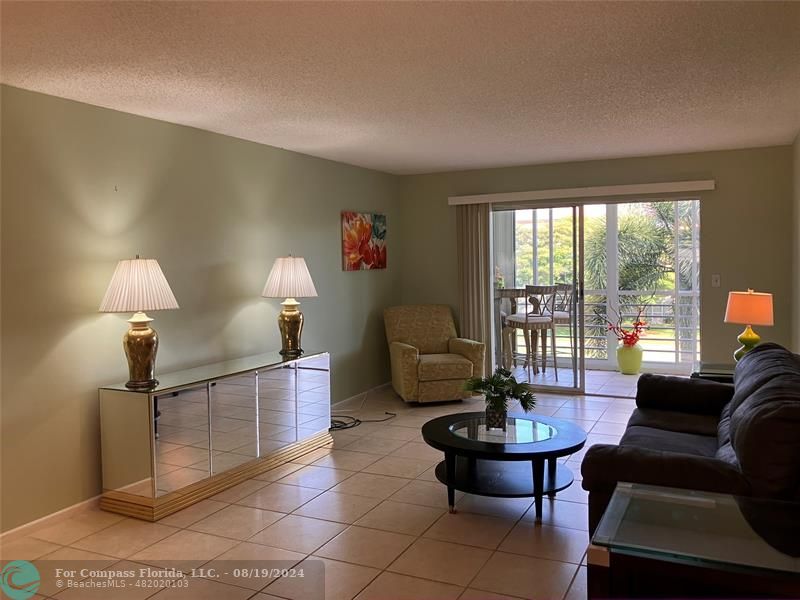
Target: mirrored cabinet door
313,396
277,408
181,440
234,422
204,429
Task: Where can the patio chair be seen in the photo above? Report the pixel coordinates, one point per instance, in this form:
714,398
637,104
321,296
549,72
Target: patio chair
537,316
516,297
562,315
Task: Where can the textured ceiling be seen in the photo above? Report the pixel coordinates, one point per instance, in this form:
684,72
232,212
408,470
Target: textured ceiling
417,87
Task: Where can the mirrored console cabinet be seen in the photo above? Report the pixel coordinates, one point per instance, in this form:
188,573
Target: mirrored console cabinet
206,429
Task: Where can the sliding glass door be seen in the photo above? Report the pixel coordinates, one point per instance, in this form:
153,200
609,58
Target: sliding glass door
644,256
537,287
605,261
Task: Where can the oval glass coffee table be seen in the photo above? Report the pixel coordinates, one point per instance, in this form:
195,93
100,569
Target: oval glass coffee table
504,464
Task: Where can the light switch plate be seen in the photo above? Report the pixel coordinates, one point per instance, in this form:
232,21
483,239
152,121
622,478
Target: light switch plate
715,280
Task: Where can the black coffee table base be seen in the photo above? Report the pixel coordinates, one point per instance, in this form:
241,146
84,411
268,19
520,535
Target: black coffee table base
503,478
518,462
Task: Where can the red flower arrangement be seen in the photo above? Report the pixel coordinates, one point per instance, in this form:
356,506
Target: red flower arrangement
628,337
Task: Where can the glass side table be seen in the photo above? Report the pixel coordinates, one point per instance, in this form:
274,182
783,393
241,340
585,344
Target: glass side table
719,372
656,541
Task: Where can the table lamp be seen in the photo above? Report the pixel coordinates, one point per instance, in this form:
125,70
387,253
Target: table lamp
748,308
137,286
290,279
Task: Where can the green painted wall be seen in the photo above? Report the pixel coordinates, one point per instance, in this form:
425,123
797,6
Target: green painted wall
746,229
83,187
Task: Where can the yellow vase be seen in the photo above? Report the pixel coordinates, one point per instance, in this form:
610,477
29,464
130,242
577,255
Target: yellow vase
629,359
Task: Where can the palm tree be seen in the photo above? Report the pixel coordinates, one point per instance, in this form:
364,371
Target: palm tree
646,241
646,257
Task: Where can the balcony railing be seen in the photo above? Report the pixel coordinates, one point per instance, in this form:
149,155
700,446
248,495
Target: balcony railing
672,336
673,333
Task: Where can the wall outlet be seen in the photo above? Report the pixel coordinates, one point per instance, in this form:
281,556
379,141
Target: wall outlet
715,280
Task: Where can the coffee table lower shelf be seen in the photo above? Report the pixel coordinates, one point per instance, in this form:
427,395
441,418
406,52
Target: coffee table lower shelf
504,479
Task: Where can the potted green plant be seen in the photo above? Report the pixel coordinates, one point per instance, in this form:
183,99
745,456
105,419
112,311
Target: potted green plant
499,388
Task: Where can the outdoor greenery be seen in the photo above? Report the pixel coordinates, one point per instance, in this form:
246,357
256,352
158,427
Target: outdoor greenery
562,252
646,240
647,262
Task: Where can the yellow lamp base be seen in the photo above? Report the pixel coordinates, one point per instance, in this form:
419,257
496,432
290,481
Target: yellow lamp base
748,339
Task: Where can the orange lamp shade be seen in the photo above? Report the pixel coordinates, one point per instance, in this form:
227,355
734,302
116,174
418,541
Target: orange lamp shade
749,308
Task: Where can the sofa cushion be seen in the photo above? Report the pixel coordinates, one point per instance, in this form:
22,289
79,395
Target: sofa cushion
765,433
674,421
435,367
765,421
682,394
669,441
759,366
724,427
726,454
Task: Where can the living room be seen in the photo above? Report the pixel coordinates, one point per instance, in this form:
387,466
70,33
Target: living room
218,137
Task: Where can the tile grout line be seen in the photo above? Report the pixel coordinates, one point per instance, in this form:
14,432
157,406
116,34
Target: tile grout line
572,581
372,434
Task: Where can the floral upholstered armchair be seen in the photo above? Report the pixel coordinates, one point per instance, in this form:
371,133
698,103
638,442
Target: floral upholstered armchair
430,363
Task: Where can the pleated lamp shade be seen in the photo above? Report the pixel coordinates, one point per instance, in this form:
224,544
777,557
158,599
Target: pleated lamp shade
749,308
138,285
289,278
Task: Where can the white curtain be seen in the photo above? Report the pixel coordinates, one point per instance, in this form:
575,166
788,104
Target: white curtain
474,274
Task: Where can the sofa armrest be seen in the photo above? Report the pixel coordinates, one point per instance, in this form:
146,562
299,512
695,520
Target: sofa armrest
604,465
405,379
471,350
680,394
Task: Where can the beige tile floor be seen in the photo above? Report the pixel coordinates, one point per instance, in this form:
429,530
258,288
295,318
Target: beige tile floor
597,382
368,507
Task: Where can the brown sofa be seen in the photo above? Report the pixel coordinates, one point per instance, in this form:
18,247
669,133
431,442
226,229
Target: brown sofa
741,439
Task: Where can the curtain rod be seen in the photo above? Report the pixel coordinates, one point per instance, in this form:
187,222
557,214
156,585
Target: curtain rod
599,191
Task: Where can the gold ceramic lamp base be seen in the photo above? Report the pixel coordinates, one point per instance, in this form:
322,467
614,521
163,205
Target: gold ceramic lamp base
290,323
141,344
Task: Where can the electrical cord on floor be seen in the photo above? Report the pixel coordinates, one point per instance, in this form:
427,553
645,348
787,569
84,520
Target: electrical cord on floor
337,422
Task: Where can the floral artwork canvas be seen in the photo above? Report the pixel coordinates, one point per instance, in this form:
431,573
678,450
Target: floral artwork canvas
363,241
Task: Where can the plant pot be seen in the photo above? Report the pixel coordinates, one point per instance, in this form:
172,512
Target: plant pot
495,419
629,359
